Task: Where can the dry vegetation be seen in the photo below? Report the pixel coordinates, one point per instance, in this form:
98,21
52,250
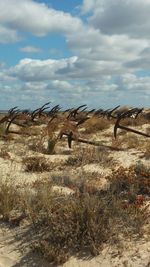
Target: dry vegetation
66,208
96,124
84,220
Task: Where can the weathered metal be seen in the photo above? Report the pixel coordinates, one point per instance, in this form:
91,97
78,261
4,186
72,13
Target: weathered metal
133,112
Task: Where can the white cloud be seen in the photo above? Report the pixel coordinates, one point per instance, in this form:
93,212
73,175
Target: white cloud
97,51
36,18
136,84
8,35
87,6
40,70
109,47
98,46
30,49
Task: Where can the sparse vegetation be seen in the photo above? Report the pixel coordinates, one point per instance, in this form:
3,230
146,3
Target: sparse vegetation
132,141
90,155
73,223
72,205
95,124
147,151
131,181
36,164
4,153
139,121
9,199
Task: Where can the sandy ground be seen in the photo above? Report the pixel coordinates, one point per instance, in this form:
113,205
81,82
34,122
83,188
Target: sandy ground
14,252
14,248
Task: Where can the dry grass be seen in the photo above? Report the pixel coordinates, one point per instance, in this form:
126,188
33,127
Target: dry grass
36,144
131,141
131,181
4,153
2,129
9,199
91,215
148,130
147,151
90,155
36,164
95,124
83,221
139,121
83,182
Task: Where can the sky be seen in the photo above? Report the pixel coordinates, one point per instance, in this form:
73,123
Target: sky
72,52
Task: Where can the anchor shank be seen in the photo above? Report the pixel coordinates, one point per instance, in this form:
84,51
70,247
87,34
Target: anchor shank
132,130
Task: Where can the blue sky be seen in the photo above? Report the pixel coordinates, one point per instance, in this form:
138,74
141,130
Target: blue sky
74,52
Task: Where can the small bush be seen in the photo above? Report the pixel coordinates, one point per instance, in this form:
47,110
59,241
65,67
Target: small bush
131,141
2,129
4,153
36,145
131,181
81,222
51,146
148,130
140,120
147,151
63,180
90,155
9,199
95,124
36,164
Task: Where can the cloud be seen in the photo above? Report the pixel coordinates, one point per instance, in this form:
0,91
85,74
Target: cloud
8,35
136,84
109,46
142,63
98,50
107,91
87,6
40,70
30,49
36,18
129,17
98,46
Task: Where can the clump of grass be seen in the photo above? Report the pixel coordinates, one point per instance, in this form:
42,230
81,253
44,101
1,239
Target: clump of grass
131,141
67,224
147,151
36,164
81,221
143,176
96,124
131,181
118,143
64,180
51,146
90,155
148,130
36,145
4,153
75,223
140,120
91,183
9,199
74,161
2,129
